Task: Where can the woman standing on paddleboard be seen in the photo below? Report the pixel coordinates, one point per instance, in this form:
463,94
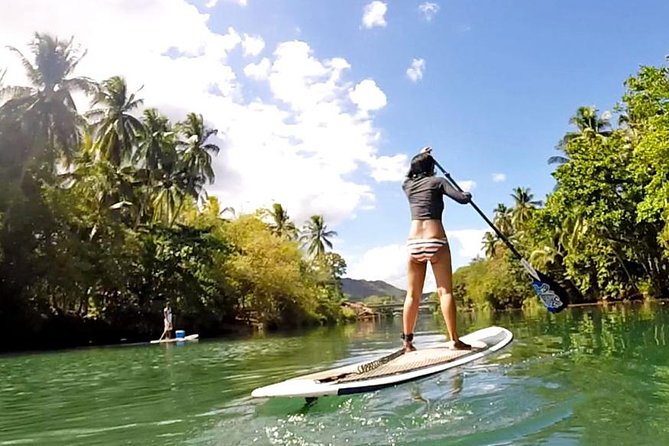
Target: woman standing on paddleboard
428,243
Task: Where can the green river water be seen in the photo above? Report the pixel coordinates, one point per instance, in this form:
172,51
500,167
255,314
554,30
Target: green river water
588,376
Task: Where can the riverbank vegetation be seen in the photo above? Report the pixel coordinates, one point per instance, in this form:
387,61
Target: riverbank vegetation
104,218
603,232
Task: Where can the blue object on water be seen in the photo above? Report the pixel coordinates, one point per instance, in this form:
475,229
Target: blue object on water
180,334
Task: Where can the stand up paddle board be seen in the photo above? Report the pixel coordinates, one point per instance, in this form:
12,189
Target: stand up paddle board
389,370
192,337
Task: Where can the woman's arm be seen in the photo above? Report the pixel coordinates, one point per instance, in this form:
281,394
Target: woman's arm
450,191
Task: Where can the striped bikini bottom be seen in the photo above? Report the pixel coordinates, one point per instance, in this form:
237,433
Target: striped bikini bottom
422,250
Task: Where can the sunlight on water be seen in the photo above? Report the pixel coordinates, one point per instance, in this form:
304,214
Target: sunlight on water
586,376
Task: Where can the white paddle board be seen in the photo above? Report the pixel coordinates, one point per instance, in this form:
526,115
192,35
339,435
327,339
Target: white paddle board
192,337
389,370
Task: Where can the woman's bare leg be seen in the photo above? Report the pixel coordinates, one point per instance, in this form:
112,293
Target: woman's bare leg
443,274
416,280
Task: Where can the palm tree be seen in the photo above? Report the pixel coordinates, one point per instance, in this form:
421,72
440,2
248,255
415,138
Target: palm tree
169,185
157,141
524,203
544,257
173,174
280,224
503,219
490,244
589,124
158,160
45,110
111,188
14,144
197,153
229,210
168,198
116,129
572,233
315,236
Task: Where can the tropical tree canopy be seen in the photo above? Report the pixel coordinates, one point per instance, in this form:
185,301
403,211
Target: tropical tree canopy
280,223
197,152
603,231
45,111
589,124
104,218
116,129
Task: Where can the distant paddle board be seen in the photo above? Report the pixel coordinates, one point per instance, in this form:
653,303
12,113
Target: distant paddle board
192,337
389,370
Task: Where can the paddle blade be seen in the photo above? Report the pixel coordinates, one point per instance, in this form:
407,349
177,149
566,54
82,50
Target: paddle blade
552,295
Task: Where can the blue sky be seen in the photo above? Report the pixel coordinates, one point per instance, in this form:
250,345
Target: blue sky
499,81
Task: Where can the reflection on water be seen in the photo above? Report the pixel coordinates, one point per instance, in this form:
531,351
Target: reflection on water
588,376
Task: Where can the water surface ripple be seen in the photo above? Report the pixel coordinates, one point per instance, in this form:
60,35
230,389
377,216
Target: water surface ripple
588,376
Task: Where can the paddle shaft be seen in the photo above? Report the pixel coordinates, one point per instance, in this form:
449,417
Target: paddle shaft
480,212
549,292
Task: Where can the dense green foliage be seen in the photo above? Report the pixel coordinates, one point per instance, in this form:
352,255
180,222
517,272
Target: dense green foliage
603,232
104,218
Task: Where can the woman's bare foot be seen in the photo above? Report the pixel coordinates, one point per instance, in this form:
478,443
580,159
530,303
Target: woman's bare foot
459,345
407,339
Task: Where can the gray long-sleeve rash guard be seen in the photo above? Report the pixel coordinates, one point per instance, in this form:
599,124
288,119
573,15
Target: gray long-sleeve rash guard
426,196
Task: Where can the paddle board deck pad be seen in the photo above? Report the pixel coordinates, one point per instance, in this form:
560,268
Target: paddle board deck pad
402,367
192,337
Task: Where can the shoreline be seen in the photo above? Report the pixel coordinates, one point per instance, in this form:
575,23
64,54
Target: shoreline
244,331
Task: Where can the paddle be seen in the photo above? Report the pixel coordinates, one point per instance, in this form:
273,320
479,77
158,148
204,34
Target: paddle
550,293
371,365
366,367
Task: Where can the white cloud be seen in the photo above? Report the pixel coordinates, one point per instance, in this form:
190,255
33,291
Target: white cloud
389,262
252,45
302,81
470,241
390,168
467,185
415,71
308,130
380,259
498,177
368,96
177,27
213,3
429,10
259,71
317,140
374,14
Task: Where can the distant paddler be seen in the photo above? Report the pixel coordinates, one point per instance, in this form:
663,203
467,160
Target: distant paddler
167,321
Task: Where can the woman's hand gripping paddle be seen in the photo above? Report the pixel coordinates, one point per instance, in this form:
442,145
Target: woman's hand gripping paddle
552,295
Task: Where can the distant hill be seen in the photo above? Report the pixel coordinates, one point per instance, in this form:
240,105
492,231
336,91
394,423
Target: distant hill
357,290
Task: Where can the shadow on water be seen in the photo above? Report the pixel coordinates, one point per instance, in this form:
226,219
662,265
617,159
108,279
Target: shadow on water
588,376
